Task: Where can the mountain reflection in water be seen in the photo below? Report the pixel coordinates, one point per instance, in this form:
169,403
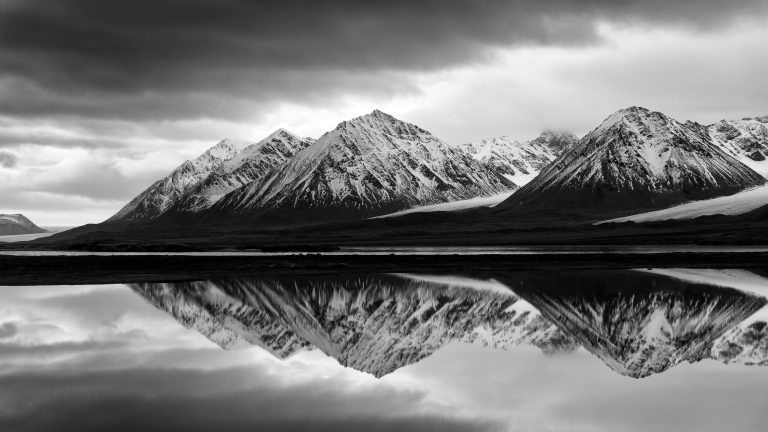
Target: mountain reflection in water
637,322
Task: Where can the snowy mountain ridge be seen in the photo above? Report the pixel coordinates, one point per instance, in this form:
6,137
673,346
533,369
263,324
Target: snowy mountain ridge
745,139
370,165
521,162
250,164
637,158
374,324
164,193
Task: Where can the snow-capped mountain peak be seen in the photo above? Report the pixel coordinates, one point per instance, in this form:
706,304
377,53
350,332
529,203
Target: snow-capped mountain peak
289,140
223,150
249,165
198,183
164,193
637,158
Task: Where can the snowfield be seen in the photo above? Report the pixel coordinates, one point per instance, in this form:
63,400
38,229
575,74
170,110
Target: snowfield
742,280
488,201
459,281
740,203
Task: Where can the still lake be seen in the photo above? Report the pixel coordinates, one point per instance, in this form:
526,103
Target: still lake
561,350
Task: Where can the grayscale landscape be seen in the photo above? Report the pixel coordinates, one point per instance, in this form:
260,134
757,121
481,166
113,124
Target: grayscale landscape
415,215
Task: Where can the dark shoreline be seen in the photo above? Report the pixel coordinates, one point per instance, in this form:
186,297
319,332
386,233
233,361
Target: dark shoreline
73,270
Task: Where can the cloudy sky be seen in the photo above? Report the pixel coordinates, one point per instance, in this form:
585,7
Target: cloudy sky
98,99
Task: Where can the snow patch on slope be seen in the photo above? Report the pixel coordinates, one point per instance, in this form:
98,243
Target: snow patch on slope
732,205
742,280
489,201
459,282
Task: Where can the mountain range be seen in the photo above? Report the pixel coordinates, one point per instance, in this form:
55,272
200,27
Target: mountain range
375,324
375,164
639,176
367,166
637,324
13,224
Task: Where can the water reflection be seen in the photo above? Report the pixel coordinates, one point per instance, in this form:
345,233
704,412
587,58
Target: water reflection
637,322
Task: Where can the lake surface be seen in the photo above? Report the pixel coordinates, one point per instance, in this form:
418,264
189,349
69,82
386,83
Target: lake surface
562,350
430,251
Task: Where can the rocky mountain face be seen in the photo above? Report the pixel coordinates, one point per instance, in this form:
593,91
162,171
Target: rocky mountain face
519,162
745,140
375,324
746,343
251,164
13,224
166,192
636,159
367,166
197,184
640,325
222,318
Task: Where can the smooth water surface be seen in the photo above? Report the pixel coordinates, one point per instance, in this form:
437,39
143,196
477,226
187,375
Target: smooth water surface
430,251
597,350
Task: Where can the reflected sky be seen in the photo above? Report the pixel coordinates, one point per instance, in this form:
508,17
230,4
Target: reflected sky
109,357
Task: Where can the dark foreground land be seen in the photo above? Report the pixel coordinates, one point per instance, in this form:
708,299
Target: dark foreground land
64,270
468,228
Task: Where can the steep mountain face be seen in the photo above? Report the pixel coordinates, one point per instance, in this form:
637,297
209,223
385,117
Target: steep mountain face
642,325
166,192
371,165
222,318
249,165
636,159
746,343
374,324
521,162
745,140
13,224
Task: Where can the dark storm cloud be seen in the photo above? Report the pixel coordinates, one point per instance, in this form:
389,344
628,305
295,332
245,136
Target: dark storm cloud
177,58
235,399
8,160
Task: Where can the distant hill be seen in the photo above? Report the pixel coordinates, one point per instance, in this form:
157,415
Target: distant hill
13,224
